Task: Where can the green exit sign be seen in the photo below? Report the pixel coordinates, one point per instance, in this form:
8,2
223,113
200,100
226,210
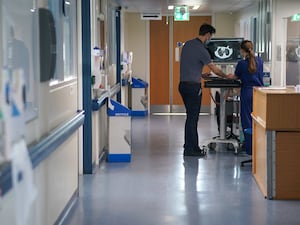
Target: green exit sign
295,17
181,13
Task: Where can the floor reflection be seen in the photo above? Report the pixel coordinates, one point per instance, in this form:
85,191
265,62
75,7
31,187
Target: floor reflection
191,165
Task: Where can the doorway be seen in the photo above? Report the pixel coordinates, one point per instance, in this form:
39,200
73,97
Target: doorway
164,66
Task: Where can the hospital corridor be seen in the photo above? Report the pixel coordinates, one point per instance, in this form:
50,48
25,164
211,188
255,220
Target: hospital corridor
160,186
149,112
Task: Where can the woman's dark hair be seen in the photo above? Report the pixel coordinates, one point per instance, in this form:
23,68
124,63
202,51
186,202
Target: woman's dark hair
206,28
247,46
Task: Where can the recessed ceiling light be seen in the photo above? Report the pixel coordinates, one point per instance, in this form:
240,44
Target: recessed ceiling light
170,7
195,7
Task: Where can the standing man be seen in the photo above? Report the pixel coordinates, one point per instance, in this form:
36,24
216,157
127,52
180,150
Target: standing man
194,56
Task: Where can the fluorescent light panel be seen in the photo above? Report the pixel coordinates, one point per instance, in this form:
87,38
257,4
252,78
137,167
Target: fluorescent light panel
170,7
195,7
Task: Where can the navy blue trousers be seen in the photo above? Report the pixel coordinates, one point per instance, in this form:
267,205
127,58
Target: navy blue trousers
246,119
191,94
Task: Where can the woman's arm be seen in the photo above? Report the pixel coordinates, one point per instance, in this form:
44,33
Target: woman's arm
220,73
216,70
232,76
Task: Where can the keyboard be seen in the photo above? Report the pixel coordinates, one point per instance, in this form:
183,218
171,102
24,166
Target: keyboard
217,82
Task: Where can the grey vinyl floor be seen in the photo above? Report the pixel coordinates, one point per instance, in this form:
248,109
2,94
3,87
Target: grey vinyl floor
161,187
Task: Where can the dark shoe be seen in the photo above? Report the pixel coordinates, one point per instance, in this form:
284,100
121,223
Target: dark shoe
197,153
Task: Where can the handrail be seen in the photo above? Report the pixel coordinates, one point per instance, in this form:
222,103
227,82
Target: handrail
41,150
98,102
45,147
115,89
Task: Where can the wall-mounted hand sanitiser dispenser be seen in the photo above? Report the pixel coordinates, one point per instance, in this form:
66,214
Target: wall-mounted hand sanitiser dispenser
47,44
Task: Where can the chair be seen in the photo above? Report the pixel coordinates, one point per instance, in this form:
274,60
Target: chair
246,161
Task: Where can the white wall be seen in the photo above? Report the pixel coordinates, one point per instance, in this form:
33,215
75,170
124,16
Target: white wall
99,132
242,21
224,24
56,180
136,40
79,70
281,9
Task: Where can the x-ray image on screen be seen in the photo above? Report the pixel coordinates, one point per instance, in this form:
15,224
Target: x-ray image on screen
225,50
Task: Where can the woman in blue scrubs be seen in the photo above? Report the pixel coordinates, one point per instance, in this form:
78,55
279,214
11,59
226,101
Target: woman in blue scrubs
250,72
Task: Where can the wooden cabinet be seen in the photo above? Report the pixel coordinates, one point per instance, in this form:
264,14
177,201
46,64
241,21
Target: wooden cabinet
276,142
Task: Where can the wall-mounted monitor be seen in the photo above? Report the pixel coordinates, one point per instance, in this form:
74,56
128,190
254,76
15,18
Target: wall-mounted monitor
47,44
225,50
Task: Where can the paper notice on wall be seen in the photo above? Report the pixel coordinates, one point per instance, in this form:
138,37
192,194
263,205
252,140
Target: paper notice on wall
177,55
2,137
23,185
13,106
3,147
17,104
2,133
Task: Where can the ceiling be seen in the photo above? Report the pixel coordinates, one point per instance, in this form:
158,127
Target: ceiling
206,6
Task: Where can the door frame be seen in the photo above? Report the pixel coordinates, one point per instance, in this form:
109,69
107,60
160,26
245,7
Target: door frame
171,107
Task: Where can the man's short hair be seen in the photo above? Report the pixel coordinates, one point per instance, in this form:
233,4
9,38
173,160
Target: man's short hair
206,28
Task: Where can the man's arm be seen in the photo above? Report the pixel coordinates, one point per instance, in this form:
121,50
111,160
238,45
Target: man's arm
216,70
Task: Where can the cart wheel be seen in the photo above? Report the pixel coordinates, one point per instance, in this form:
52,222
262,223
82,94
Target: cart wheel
212,146
230,146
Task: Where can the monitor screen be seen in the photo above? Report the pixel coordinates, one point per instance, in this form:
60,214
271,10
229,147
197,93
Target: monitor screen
225,50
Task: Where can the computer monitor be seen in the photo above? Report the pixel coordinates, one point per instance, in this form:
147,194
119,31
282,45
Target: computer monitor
225,50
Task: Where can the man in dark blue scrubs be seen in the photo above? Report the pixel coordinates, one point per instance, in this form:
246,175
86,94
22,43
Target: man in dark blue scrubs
194,56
